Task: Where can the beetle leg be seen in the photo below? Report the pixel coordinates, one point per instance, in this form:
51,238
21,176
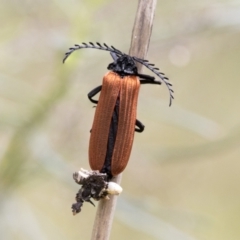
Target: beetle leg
143,81
140,126
145,77
93,93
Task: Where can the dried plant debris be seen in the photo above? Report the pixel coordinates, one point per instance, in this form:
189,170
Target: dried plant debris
94,186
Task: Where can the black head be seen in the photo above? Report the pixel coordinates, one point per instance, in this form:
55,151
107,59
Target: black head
124,65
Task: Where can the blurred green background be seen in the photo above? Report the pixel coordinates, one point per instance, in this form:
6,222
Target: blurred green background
182,181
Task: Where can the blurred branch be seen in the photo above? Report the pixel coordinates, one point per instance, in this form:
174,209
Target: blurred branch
15,156
158,229
176,155
141,33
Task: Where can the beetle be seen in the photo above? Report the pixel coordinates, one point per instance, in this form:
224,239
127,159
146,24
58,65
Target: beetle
114,122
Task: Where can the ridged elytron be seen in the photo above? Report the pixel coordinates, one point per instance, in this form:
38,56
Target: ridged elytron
115,117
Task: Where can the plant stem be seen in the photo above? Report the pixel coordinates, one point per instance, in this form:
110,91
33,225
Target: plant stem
141,33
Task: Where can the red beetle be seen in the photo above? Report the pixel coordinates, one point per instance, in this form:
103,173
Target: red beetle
115,117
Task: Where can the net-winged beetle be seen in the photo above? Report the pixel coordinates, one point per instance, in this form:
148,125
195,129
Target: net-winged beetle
115,117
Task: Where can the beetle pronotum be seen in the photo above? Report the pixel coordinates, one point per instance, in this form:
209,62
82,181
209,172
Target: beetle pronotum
115,117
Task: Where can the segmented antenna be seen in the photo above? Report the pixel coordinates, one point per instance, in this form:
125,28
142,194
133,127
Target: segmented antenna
155,70
105,47
92,45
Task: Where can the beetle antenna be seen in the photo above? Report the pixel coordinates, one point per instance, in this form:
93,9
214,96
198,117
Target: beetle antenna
104,47
155,70
114,56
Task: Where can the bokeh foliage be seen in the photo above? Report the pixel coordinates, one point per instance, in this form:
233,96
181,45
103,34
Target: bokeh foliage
182,181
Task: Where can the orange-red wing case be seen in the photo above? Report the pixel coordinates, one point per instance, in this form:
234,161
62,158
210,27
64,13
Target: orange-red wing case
102,120
126,123
127,89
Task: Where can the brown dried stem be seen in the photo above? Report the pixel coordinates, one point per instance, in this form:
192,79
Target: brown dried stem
141,34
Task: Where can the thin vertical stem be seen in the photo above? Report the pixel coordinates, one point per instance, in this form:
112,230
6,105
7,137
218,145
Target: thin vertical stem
104,216
142,29
141,34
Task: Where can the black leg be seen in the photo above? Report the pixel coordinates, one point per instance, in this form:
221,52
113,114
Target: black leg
140,126
150,82
93,93
145,77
